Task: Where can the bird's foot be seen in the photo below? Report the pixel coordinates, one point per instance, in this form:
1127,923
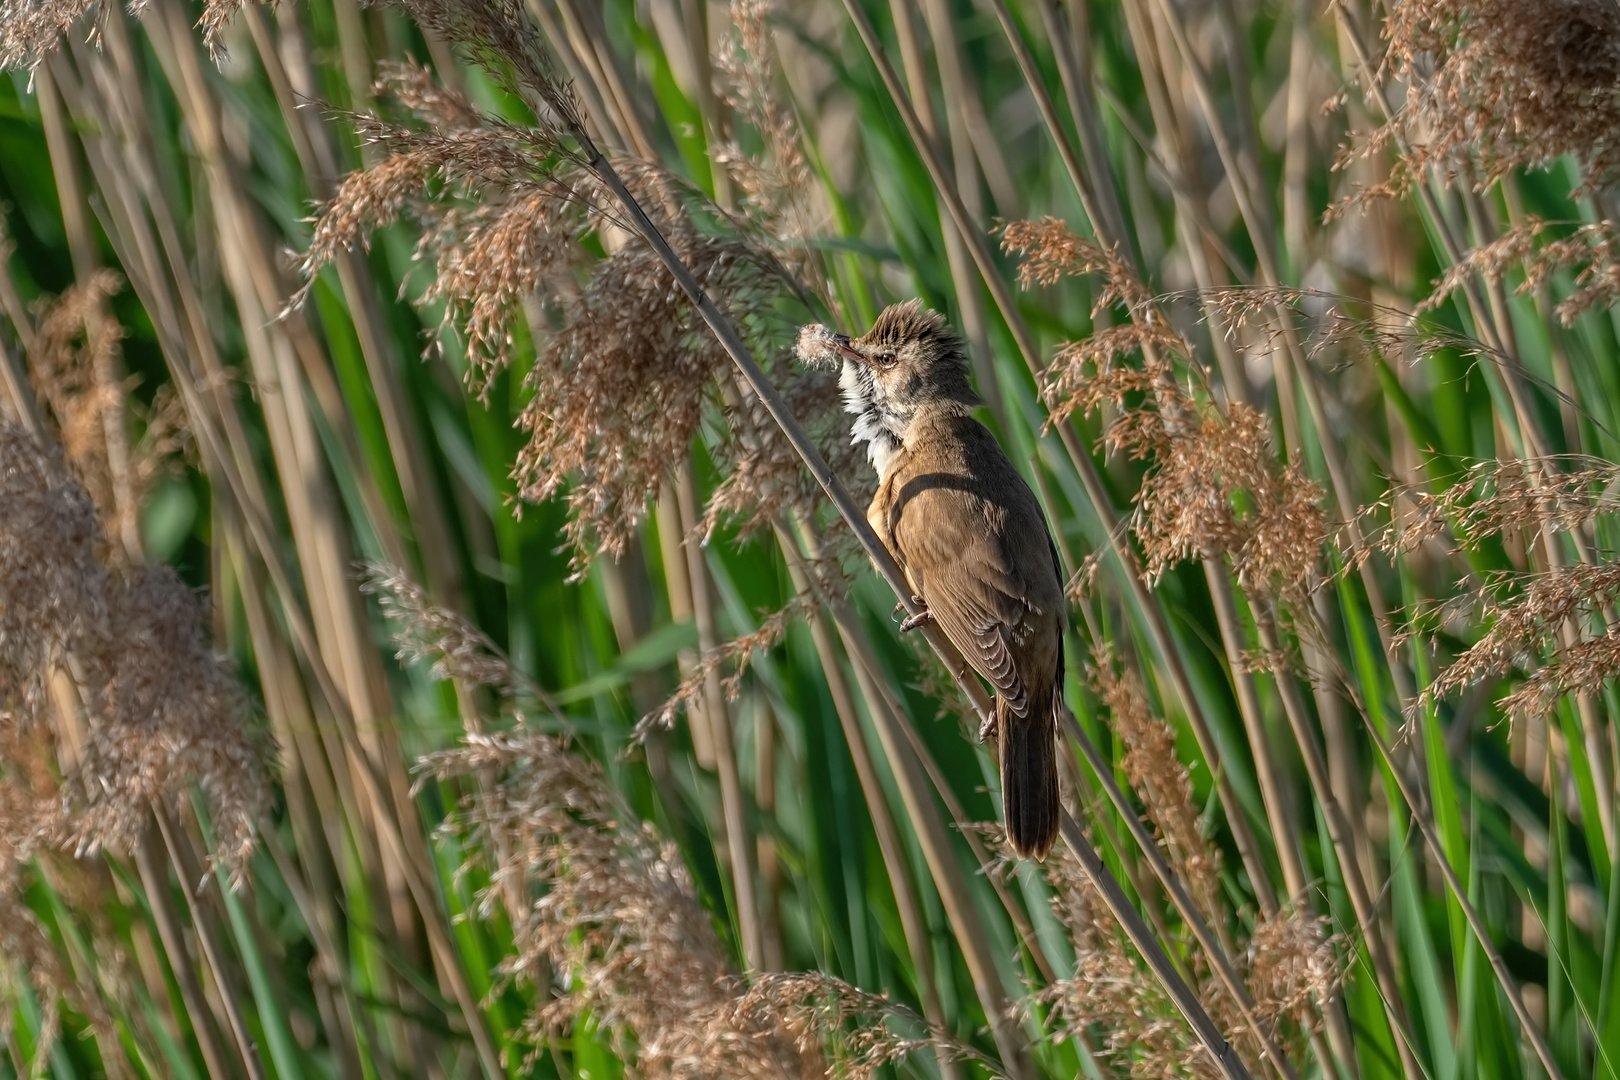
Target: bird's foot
987,729
911,622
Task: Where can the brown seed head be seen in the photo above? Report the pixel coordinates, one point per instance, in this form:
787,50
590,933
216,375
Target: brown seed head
1516,84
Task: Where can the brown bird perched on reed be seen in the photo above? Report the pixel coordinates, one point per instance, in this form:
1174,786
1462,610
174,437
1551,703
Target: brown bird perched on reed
969,534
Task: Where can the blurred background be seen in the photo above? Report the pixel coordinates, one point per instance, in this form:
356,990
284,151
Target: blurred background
421,654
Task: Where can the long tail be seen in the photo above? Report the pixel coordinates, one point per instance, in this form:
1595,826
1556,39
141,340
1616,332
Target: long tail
1029,781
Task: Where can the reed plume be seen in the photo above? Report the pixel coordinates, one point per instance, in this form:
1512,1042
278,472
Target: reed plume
612,910
1514,85
1213,485
160,710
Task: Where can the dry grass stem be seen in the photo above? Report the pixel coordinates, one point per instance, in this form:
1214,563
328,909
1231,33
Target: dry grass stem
1138,1028
740,652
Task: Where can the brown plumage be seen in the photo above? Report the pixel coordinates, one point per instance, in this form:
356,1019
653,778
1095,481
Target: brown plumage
970,536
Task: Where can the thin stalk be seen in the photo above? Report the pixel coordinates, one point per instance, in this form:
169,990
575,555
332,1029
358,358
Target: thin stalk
1419,806
210,949
912,923
1048,111
1339,833
679,588
1074,71
1224,971
155,884
584,27
739,844
108,374
947,873
426,512
1180,993
1296,147
963,281
1274,795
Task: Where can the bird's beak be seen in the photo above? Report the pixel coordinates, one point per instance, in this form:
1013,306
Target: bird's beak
844,348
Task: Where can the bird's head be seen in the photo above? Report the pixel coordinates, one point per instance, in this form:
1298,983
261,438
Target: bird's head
913,359
907,362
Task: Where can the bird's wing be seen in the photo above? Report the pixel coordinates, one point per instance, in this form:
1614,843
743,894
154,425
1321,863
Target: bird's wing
964,572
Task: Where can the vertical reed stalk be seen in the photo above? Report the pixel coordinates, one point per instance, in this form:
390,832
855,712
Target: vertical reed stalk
739,842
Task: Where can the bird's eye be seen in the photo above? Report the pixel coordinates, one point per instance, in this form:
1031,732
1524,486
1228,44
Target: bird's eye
888,358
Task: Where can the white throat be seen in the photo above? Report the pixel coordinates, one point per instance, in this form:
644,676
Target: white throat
874,424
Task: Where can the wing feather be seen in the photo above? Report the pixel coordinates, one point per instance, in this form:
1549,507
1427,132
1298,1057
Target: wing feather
952,553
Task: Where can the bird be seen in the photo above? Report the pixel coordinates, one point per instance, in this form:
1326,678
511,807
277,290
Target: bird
969,535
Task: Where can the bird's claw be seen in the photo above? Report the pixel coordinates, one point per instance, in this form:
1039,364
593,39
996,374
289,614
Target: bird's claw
987,729
911,622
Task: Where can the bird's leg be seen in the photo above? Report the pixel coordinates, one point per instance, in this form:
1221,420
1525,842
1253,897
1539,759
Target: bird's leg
987,728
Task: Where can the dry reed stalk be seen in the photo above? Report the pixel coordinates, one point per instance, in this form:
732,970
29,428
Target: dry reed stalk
1151,764
706,679
806,582
317,159
1417,801
889,720
966,289
242,486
